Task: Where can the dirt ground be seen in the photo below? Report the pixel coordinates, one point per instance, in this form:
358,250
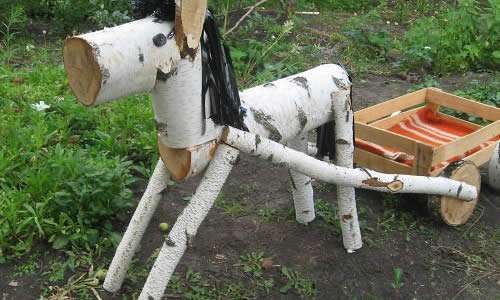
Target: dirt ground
437,261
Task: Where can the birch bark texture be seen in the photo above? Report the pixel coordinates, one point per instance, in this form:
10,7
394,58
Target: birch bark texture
494,169
301,186
188,222
344,157
281,155
285,108
136,228
178,107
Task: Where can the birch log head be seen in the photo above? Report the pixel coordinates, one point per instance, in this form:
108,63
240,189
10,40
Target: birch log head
189,19
119,61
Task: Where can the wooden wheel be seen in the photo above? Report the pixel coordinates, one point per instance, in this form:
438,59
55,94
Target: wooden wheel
450,210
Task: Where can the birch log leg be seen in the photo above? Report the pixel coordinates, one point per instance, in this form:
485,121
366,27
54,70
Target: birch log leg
283,156
494,169
188,222
136,228
344,157
302,191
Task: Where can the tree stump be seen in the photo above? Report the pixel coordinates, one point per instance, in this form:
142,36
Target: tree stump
450,210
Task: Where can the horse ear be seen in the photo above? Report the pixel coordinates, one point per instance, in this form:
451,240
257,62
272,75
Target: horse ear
189,19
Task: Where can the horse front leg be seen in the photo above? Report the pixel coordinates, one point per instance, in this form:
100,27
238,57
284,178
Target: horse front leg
186,226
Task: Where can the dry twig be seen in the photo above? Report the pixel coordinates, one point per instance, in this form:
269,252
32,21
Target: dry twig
250,10
473,281
475,222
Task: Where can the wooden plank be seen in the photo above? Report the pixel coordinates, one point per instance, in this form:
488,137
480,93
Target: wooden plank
436,172
433,106
388,122
366,159
482,156
461,145
484,111
386,108
384,137
423,159
479,158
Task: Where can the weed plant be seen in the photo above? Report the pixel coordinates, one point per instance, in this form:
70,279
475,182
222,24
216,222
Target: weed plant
463,38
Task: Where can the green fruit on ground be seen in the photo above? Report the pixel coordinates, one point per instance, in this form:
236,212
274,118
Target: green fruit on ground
101,274
164,227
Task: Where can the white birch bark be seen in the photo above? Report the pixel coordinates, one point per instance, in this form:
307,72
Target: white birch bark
360,178
344,157
119,61
312,149
178,107
301,186
188,222
287,107
494,169
136,228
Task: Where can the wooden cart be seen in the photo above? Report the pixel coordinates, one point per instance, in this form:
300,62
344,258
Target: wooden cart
457,158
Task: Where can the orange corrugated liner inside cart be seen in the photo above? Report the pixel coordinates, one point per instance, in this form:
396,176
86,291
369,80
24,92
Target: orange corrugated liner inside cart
429,128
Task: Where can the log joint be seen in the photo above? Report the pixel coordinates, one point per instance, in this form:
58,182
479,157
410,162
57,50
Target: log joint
393,186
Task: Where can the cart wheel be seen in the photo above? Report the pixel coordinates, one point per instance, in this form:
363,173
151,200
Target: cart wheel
450,210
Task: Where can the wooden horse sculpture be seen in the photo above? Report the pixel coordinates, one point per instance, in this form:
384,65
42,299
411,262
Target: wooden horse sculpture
202,125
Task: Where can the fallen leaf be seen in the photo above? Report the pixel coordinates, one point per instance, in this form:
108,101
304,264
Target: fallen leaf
267,263
14,283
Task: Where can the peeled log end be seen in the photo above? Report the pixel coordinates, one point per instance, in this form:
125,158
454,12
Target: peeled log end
177,161
450,210
84,73
189,20
186,162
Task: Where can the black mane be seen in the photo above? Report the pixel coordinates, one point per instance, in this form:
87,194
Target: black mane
218,73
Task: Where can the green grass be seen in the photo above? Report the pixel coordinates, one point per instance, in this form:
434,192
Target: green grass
233,208
397,217
66,171
296,281
255,282
328,214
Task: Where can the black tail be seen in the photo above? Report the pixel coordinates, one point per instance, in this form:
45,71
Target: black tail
325,134
325,141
